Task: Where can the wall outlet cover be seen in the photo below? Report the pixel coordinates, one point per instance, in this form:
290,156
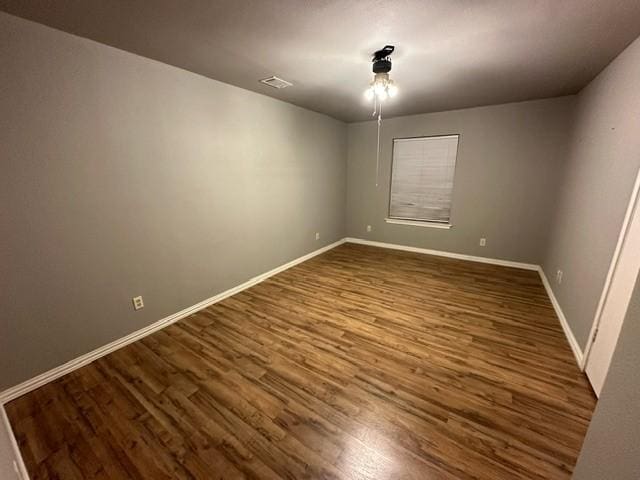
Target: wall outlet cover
137,303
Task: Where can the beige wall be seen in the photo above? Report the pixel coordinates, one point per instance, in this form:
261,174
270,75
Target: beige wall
506,178
601,166
122,176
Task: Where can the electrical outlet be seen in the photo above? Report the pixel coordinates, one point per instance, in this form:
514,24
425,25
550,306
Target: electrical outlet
559,276
137,303
483,242
317,235
369,228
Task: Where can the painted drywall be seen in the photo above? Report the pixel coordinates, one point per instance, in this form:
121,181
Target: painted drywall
602,161
611,448
123,176
509,157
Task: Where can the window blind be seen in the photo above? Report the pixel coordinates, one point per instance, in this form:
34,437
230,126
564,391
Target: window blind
422,178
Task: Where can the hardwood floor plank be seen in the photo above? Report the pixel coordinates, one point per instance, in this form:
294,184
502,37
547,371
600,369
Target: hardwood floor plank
361,363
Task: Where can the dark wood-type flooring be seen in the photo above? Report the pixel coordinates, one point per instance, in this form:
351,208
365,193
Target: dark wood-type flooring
362,363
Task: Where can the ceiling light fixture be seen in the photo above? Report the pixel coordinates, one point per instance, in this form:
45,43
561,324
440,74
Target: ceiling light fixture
381,88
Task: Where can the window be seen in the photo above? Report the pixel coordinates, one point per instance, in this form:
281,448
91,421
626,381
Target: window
422,179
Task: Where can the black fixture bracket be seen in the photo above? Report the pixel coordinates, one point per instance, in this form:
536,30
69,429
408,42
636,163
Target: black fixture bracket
381,60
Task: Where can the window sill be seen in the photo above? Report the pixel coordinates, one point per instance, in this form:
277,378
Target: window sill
416,223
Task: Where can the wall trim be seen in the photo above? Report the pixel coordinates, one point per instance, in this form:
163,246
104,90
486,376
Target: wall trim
628,217
18,462
441,253
573,343
39,380
50,375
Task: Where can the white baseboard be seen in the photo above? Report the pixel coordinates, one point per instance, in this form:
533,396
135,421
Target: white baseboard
39,380
440,253
46,377
573,343
18,462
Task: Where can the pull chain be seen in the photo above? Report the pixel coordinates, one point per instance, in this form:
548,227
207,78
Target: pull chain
378,146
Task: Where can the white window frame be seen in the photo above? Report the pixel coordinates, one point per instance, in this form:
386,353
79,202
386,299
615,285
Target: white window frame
419,222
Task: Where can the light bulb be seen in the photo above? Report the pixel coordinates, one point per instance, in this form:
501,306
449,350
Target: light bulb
368,93
382,95
378,87
392,90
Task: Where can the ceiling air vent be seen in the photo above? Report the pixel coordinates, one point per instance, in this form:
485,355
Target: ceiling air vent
276,82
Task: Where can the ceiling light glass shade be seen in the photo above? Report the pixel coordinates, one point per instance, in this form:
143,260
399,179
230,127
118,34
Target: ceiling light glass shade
381,88
369,93
392,90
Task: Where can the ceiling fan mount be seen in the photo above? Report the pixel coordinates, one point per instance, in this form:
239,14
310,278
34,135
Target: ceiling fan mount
382,59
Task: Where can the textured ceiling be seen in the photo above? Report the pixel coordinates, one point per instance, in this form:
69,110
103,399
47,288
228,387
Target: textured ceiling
449,53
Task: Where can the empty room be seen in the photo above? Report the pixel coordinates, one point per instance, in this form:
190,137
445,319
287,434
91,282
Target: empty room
328,239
